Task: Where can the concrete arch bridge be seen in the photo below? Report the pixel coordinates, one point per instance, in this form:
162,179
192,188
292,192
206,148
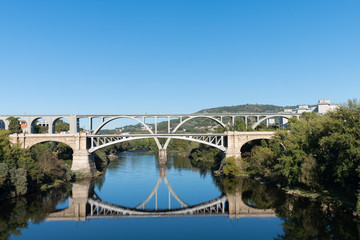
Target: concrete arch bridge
150,122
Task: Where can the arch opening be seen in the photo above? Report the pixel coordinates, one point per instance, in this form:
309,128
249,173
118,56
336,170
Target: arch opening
123,125
200,124
55,158
120,129
128,144
2,124
60,125
196,126
249,146
39,126
206,157
271,123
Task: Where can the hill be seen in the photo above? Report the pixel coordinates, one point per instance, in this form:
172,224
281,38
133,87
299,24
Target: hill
248,108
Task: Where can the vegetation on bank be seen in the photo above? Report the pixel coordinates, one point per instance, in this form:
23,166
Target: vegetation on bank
24,170
319,153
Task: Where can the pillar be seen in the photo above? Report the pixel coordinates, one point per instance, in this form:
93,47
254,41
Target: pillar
83,162
233,145
6,122
90,124
73,121
155,125
168,124
162,157
51,127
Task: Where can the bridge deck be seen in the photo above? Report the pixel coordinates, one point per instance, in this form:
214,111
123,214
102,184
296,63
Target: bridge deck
159,134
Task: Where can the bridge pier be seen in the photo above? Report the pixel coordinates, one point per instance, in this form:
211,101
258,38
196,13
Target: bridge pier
83,162
162,157
233,145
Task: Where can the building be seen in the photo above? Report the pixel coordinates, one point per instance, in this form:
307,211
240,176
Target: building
325,106
322,107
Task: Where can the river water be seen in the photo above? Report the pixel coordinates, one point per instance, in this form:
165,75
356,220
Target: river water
178,201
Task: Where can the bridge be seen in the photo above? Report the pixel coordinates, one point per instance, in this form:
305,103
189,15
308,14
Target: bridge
250,119
86,204
84,144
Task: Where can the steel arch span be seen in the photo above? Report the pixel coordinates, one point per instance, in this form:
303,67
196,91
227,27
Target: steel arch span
133,118
101,141
190,118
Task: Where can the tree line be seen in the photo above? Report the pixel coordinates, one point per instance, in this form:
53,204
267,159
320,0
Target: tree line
319,153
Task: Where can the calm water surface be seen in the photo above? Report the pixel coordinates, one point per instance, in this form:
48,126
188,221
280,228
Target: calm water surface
135,180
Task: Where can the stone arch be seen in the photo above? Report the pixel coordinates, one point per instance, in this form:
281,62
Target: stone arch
133,118
252,138
268,117
62,153
235,140
33,141
248,146
188,119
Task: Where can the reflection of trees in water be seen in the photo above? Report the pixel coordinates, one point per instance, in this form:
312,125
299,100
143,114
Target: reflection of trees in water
15,213
253,193
180,162
303,218
260,195
309,219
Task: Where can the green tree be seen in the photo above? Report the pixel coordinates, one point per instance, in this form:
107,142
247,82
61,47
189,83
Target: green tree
19,180
239,125
61,126
14,125
230,167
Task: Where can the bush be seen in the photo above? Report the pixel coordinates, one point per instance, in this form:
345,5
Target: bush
230,167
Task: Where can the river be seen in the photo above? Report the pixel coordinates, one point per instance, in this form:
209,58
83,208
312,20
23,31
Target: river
135,199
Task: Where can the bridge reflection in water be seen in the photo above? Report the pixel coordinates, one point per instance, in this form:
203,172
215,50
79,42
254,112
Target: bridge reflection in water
86,204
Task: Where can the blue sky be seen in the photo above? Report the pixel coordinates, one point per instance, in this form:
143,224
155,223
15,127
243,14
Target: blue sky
172,56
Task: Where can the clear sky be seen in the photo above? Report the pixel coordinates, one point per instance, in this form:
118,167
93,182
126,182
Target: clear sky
175,56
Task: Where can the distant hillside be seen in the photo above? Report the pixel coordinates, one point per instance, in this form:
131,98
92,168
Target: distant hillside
249,108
